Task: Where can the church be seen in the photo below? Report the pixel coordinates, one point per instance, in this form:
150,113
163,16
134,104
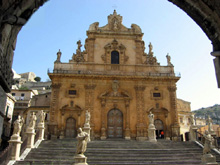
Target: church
118,83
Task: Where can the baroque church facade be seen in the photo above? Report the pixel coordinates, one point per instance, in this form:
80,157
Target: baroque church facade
117,82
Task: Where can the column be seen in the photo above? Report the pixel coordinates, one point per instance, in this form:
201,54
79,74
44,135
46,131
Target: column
62,128
89,104
54,110
103,129
175,124
139,51
127,129
141,126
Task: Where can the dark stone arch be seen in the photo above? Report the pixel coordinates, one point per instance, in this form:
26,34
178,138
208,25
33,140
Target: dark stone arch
206,14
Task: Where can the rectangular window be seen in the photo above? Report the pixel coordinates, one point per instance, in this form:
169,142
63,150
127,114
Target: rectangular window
72,92
13,94
22,94
156,95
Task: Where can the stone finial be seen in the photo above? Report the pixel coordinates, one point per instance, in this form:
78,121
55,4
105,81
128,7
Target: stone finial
150,59
79,56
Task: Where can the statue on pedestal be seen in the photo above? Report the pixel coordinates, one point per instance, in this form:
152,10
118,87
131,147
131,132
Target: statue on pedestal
208,142
42,116
32,121
18,125
209,121
192,120
151,118
82,138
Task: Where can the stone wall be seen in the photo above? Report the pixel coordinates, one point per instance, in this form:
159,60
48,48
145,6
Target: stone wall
3,98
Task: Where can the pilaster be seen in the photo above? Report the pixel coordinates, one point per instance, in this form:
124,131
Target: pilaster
54,107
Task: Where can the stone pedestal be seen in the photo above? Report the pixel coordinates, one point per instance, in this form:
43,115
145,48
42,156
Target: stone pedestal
127,134
151,133
41,129
103,133
175,132
192,132
15,141
31,135
87,130
209,159
80,159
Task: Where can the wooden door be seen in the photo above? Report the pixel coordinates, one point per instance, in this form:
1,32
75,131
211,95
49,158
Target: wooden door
70,128
115,123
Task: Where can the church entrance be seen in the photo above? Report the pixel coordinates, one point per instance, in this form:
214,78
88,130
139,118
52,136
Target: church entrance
70,128
159,129
115,123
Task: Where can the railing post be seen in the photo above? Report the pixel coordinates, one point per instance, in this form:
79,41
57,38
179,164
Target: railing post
15,142
192,133
31,131
41,129
30,135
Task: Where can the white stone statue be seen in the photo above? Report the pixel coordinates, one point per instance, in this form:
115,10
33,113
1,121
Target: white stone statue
88,116
209,121
151,118
208,142
192,120
82,138
18,125
42,116
32,121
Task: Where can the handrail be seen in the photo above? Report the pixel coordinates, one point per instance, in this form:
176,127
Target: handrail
201,140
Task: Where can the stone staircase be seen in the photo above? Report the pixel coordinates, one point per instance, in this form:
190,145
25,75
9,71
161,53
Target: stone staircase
116,152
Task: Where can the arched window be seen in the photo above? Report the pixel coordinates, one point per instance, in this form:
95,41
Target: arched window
114,57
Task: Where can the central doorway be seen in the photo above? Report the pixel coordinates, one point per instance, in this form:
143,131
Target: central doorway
159,129
115,123
70,128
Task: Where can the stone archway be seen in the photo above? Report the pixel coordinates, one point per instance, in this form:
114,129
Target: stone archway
70,131
115,124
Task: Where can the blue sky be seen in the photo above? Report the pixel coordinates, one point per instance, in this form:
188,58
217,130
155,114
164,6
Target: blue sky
60,24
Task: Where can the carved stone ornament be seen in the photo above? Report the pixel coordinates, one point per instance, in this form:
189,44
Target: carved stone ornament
94,26
79,56
150,59
115,21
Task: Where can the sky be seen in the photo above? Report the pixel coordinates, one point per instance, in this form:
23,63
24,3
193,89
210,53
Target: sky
60,24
